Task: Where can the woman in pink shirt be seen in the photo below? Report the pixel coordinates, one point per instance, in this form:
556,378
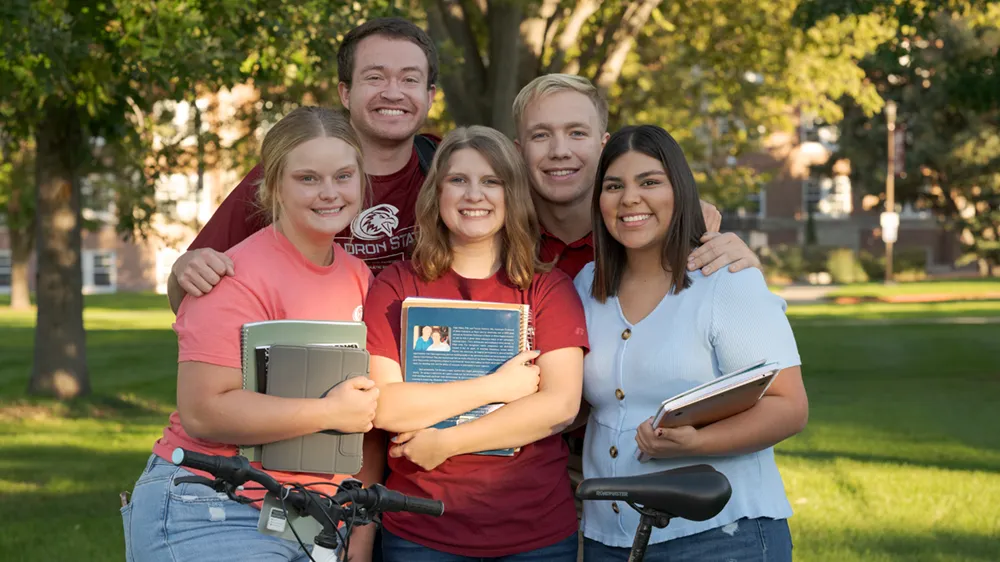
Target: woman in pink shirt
313,187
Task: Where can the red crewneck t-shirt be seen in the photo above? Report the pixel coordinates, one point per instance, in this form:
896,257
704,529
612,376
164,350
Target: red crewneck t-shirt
494,506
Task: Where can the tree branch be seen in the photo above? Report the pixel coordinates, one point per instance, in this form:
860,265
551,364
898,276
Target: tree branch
535,31
587,56
571,33
610,67
463,94
460,28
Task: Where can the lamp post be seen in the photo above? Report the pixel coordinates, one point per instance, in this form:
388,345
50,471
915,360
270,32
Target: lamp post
890,220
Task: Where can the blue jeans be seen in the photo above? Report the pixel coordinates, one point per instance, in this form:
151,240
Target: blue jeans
397,549
759,540
168,523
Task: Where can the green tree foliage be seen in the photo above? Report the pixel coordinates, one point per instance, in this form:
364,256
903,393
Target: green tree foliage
721,75
83,78
489,50
718,74
944,76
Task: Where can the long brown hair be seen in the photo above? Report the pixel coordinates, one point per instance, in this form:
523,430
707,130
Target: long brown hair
301,125
687,223
521,232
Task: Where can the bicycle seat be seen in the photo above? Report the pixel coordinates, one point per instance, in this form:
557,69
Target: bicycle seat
697,492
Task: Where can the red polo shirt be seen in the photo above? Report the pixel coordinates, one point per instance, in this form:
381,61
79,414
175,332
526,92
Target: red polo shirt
571,257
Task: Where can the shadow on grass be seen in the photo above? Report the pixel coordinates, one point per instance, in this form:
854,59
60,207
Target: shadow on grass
143,362
125,407
65,467
828,456
115,301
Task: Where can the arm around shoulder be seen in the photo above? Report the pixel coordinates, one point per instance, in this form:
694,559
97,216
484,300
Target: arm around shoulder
199,269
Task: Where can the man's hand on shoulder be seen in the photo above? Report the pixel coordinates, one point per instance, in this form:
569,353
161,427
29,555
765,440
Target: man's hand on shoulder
196,272
719,250
713,218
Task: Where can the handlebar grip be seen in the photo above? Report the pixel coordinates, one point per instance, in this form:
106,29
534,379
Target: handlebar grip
395,501
424,506
215,465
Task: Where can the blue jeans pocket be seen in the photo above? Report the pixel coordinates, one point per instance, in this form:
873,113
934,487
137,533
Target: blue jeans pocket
127,529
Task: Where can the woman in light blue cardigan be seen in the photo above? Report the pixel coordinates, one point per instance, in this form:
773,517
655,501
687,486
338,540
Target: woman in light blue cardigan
655,331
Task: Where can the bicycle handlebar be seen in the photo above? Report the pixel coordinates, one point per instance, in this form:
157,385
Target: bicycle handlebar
237,471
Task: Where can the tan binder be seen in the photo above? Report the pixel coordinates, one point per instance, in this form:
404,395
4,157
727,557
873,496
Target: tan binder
310,371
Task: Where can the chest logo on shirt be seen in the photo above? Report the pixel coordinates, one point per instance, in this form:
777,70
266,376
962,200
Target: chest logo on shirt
376,222
359,313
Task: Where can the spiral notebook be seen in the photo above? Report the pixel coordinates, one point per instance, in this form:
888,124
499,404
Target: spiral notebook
256,339
445,340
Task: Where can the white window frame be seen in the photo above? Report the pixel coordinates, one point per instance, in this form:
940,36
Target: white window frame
7,263
830,204
89,263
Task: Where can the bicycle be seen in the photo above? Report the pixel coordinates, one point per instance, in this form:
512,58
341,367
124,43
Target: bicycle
697,492
366,504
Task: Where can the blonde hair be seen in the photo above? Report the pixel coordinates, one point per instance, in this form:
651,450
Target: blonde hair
301,125
553,83
520,233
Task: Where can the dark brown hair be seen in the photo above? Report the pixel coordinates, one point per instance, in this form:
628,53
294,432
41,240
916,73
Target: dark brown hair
394,28
687,223
520,233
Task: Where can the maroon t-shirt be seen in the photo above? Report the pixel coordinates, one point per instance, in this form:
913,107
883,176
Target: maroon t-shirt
494,506
380,235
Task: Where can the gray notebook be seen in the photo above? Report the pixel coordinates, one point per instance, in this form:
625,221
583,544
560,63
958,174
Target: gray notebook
256,339
310,372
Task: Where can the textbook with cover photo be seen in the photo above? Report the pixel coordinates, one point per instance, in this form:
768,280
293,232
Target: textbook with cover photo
445,340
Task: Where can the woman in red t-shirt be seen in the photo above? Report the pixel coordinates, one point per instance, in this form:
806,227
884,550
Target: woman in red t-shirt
478,240
313,187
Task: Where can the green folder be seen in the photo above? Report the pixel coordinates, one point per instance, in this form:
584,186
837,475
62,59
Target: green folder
257,337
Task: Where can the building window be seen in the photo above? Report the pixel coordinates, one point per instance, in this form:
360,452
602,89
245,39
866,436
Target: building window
5,271
827,197
100,271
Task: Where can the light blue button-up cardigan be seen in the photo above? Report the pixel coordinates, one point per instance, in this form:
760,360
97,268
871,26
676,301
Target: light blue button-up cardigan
720,323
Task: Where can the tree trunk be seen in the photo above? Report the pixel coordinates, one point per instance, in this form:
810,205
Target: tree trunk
20,219
505,50
60,367
463,79
20,255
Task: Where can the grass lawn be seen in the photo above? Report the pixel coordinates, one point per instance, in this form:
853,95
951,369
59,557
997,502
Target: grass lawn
900,461
964,287
874,313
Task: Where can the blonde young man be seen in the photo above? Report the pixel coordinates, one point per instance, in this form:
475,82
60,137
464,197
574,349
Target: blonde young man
562,123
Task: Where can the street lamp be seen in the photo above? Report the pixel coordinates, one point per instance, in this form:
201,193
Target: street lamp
890,219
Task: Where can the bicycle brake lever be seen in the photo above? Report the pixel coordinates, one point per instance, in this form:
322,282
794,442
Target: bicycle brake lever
197,480
218,484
